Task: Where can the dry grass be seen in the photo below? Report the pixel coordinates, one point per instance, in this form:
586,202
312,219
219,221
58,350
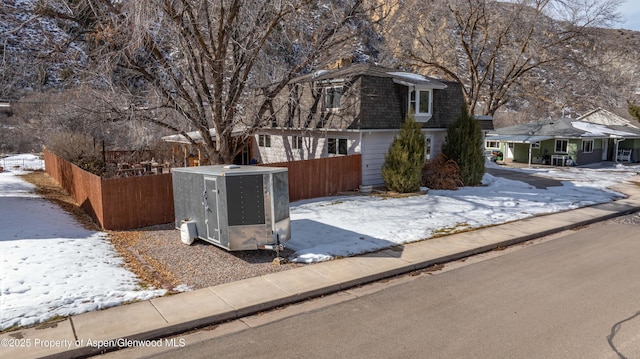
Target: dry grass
441,173
392,194
145,267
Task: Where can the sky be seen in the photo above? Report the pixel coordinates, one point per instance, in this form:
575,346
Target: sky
630,11
51,266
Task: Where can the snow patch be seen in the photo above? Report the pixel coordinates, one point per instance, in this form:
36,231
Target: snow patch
596,130
50,265
327,228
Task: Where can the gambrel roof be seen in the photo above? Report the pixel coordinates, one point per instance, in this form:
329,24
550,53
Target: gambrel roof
406,78
382,98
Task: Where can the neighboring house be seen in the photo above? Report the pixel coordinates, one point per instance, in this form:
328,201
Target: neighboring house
188,154
597,136
357,110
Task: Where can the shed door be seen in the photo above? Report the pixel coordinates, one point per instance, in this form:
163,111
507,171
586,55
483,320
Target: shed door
211,209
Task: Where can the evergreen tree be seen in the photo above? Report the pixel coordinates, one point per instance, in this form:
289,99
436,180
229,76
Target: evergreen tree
634,109
402,168
464,146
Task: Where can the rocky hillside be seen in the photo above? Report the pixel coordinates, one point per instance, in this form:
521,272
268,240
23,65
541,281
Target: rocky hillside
609,78
37,54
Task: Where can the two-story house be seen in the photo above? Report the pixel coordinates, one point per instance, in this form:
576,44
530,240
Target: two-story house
356,110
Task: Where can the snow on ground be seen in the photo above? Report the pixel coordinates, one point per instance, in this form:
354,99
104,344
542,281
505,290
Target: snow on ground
322,229
20,164
49,264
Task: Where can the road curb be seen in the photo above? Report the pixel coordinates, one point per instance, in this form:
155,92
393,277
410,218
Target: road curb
609,210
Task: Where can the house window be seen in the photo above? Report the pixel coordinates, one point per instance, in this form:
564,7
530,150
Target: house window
535,144
492,144
296,142
420,102
561,146
264,140
332,97
587,146
337,146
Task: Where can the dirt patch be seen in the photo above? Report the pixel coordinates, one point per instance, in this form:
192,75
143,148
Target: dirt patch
148,269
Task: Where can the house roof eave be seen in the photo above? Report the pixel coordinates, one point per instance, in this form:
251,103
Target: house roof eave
432,85
195,136
517,138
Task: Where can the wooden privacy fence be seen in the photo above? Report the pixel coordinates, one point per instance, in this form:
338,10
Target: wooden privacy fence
134,202
323,176
119,203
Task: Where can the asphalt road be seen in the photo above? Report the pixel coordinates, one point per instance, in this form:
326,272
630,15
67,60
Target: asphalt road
577,296
530,178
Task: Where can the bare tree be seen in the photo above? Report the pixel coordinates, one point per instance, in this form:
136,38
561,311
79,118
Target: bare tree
498,50
215,65
51,118
35,54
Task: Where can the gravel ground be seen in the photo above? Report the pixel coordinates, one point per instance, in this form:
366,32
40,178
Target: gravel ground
201,264
159,258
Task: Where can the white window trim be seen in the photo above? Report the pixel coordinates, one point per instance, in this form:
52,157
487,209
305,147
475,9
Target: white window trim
428,148
338,139
297,142
556,145
264,141
325,94
591,146
489,143
420,116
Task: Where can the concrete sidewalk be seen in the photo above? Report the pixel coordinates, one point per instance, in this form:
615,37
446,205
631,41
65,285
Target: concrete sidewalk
89,333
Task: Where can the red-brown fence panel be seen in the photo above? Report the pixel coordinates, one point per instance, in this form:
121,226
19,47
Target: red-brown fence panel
323,176
133,202
116,204
85,188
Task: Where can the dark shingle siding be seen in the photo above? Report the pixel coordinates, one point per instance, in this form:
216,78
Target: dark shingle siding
380,103
347,72
372,100
447,105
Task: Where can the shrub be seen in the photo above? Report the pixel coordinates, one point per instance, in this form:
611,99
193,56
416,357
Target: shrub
441,173
403,162
463,144
78,149
634,109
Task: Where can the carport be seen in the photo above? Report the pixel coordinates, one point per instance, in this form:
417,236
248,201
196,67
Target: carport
525,139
